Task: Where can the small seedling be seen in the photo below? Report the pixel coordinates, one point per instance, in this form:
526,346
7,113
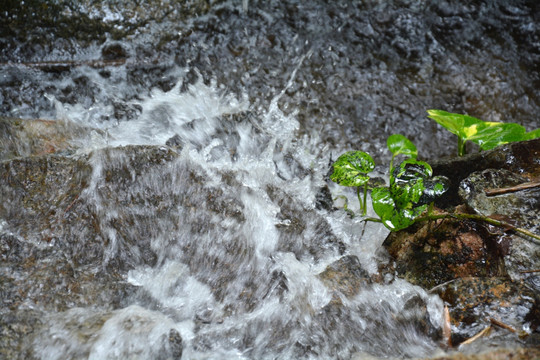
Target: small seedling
411,188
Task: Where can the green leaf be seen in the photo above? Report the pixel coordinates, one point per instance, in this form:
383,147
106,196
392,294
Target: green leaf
486,134
503,133
434,188
400,145
407,182
464,126
393,217
351,168
532,135
411,169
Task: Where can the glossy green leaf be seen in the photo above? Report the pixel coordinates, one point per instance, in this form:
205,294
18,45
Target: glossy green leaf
400,145
464,126
494,136
434,188
351,168
407,194
532,135
392,216
486,134
407,182
411,169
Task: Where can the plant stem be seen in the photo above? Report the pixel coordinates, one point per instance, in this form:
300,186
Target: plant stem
534,238
461,146
362,210
365,199
460,216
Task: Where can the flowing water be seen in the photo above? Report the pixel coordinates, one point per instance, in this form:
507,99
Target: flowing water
255,100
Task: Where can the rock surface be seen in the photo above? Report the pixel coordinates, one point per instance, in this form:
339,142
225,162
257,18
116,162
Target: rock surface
476,303
520,158
478,269
502,354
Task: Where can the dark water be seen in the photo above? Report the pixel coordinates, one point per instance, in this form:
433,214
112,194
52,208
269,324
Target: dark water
373,67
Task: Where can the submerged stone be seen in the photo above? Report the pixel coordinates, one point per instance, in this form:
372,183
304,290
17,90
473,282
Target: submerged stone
34,137
476,303
345,276
519,207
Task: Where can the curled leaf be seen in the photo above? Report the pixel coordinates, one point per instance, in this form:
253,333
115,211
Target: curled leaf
411,169
351,168
400,145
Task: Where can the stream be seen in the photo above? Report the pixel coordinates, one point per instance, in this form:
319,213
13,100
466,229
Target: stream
200,138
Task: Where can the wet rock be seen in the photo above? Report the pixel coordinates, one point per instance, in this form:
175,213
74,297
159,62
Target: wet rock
17,329
432,253
519,208
345,276
520,158
409,315
323,199
175,142
475,303
172,346
87,333
113,51
20,137
300,223
499,354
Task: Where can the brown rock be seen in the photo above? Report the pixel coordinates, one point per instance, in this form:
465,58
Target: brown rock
476,303
432,253
345,276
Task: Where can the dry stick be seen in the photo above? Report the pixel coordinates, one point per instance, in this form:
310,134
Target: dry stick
484,332
501,324
529,271
524,186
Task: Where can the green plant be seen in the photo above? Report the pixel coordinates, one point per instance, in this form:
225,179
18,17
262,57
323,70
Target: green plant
351,169
400,145
411,188
486,135
409,197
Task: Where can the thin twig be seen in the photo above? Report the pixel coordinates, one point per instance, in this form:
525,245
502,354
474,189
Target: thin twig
502,325
72,203
67,64
529,271
524,186
484,332
533,237
447,328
